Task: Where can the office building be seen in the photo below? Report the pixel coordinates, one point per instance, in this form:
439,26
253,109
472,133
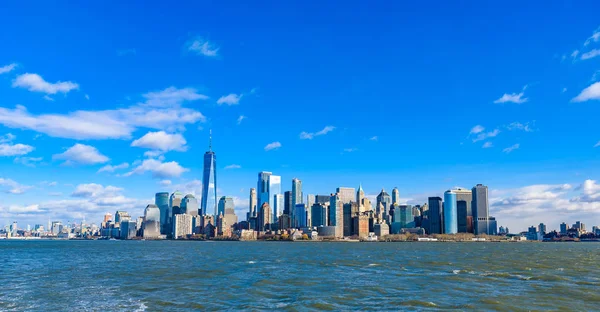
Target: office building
480,209
265,217
386,201
151,225
262,188
542,228
563,228
347,194
322,199
336,213
128,229
435,215
296,196
287,202
209,181
182,225
278,202
450,213
360,194
396,196
161,200
319,214
464,212
252,204
224,203
57,227
189,205
404,216
301,216
274,190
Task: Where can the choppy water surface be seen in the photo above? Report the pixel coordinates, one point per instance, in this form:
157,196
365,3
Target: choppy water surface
178,275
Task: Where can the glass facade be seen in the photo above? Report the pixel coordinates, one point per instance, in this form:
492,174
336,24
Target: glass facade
209,183
435,215
274,189
450,213
480,209
161,200
189,205
262,188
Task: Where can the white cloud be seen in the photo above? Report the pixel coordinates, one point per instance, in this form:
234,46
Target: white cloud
350,150
272,146
95,190
7,68
511,148
240,119
172,96
165,182
477,129
161,141
564,90
590,93
590,192
12,187
81,154
574,54
193,187
35,83
107,124
513,97
9,137
8,149
310,135
487,145
593,38
27,161
159,169
87,97
591,54
519,126
110,168
202,47
234,166
597,144
230,99
374,138
48,98
485,135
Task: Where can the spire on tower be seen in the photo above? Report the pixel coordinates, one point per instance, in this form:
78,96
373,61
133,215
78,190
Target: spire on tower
210,141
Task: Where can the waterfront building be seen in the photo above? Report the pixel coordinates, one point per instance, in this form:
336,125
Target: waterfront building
360,195
189,205
381,229
284,222
57,226
404,216
224,203
395,196
532,233
230,217
563,228
174,208
493,226
464,212
287,202
278,207
274,190
319,215
182,225
209,181
480,208
385,200
450,213
542,228
296,197
151,225
435,215
121,216
361,225
262,188
580,227
128,230
253,202
336,213
346,194
161,200
301,216
265,217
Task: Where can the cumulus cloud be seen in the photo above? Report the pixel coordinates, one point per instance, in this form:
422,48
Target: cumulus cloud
7,149
161,141
35,83
201,46
95,190
511,148
477,129
7,68
520,126
481,135
110,168
28,161
350,150
165,182
12,187
590,93
81,154
272,146
193,187
591,54
590,192
310,135
161,111
172,96
234,166
513,98
487,145
230,99
159,169
593,38
240,119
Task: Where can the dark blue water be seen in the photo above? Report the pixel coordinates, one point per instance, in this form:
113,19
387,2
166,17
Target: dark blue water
180,275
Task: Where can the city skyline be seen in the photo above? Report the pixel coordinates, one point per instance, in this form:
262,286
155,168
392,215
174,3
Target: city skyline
106,116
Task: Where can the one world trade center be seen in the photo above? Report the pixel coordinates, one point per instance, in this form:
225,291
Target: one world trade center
209,181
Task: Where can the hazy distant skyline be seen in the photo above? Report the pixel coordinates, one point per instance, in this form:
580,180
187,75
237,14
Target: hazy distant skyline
103,104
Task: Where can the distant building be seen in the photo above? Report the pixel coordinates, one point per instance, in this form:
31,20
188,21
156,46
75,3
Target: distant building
300,213
57,226
361,225
189,205
209,181
278,202
336,213
284,221
265,217
395,196
381,229
319,215
174,208
182,225
128,230
360,195
450,213
563,228
346,194
225,203
161,200
404,216
151,225
480,207
386,201
287,202
464,214
435,215
542,228
252,205
295,198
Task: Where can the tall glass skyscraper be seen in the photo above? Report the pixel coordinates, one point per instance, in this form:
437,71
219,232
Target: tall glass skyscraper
262,188
450,213
209,181
161,200
480,208
274,190
395,196
296,198
434,214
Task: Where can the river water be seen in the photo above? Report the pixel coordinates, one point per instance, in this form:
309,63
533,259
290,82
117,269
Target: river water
186,275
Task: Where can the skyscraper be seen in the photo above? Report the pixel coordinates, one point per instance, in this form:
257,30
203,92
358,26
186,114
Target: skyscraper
174,208
278,203
450,213
253,203
209,181
296,197
151,221
395,196
465,215
346,194
287,202
264,217
360,194
189,205
274,189
480,208
435,215
336,214
224,204
262,188
161,200
385,200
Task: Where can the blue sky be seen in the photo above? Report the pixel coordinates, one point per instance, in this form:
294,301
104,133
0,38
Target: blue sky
423,96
